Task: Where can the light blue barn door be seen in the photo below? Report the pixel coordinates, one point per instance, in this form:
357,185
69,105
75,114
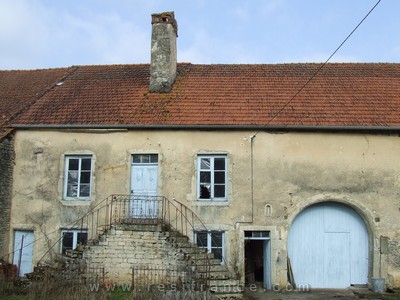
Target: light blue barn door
328,247
336,259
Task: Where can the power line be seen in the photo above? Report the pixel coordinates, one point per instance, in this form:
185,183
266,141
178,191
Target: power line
319,69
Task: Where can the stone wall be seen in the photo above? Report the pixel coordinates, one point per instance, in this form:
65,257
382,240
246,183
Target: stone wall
6,171
120,249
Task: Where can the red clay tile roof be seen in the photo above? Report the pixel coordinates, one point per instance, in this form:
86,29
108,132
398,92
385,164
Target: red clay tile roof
207,95
19,89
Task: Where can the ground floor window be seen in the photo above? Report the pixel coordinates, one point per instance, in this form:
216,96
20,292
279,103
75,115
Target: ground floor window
71,238
213,241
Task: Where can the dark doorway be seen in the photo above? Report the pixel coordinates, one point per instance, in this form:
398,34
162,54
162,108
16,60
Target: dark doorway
254,261
257,253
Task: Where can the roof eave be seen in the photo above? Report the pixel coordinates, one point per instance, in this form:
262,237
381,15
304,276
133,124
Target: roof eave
328,128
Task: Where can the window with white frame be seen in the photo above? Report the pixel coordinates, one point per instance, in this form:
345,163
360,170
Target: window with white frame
213,241
71,238
212,177
78,177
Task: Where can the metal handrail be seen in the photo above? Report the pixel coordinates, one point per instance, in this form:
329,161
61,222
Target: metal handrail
142,209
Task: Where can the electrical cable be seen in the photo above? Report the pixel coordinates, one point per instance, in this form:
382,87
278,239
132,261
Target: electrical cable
319,69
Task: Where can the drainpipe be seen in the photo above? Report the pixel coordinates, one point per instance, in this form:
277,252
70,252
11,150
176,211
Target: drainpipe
252,139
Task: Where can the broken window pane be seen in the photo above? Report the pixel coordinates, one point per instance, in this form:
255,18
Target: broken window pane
205,164
205,192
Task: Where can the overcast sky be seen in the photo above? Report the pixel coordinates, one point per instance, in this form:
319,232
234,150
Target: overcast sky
53,33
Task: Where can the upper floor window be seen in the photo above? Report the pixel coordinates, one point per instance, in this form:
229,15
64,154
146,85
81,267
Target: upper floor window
212,177
78,177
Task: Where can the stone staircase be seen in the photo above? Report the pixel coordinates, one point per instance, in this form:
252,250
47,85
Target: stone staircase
124,247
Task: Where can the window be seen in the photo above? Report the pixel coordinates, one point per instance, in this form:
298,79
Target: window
213,241
145,158
212,177
256,234
71,238
78,176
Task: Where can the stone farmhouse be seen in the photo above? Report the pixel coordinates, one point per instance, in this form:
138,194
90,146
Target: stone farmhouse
286,172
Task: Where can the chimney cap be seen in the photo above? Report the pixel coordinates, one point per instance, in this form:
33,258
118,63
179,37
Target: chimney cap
165,17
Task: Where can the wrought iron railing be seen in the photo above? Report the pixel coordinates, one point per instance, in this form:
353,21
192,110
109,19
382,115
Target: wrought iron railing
136,209
143,210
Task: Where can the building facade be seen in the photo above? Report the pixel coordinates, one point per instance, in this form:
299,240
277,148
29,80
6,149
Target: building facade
306,185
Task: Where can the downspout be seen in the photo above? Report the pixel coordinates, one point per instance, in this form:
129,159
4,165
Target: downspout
252,139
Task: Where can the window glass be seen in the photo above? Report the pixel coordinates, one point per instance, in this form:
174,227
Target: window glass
82,238
144,158
216,239
202,239
205,192
154,158
219,177
219,191
217,253
205,177
73,164
205,164
67,241
78,177
213,241
71,238
219,164
212,177
86,164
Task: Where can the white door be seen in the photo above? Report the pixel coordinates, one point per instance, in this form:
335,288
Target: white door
23,240
144,182
328,247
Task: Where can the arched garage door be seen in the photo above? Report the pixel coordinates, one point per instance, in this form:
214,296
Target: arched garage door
328,247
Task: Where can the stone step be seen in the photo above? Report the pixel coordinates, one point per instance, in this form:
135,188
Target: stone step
224,282
204,262
227,296
191,250
218,275
226,289
177,239
196,256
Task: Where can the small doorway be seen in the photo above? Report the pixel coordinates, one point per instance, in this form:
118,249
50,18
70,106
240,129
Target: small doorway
23,251
144,175
257,253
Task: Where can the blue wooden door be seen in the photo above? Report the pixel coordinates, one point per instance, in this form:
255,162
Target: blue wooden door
143,189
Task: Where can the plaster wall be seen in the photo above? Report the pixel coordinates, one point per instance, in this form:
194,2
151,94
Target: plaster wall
271,178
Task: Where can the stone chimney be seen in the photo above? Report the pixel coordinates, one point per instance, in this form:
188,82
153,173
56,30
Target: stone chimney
163,52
